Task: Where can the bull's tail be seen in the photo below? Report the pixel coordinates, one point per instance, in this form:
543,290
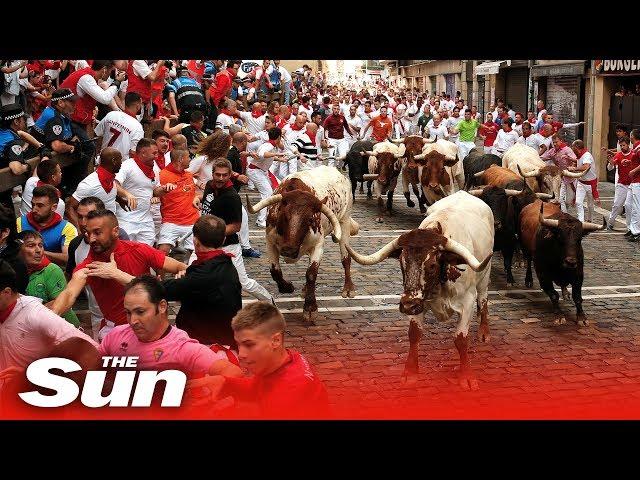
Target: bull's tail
355,228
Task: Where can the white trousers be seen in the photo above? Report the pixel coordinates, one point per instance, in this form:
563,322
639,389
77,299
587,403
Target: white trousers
140,232
584,191
635,209
622,197
244,230
249,285
464,148
566,196
341,148
261,181
487,149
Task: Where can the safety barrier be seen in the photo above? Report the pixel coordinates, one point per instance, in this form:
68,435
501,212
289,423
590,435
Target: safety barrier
8,180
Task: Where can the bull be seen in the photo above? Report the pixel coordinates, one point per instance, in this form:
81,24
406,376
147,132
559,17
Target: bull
541,177
506,205
477,161
385,166
458,230
358,165
305,208
413,145
435,165
554,240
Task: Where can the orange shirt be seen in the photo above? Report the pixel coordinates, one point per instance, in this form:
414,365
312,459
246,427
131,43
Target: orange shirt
176,206
381,128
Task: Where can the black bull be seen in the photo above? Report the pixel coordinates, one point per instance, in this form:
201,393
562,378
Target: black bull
475,162
358,164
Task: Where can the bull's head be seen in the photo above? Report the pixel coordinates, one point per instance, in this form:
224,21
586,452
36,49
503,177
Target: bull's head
413,145
434,176
550,178
568,232
295,214
387,167
427,259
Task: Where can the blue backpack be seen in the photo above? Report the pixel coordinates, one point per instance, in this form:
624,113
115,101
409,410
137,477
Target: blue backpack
275,79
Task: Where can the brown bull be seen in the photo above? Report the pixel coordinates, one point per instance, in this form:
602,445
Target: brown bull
384,168
410,173
434,178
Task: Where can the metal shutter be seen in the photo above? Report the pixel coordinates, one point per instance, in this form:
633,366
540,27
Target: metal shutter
562,101
516,83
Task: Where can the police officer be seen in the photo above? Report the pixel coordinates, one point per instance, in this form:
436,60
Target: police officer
53,127
12,120
185,96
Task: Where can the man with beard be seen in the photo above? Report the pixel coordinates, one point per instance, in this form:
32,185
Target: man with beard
56,232
102,270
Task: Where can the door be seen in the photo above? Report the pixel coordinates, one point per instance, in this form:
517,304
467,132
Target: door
450,85
562,101
516,87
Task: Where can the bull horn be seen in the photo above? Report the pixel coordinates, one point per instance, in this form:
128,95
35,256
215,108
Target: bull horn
512,193
469,258
532,173
544,196
398,140
476,192
370,153
567,173
420,156
592,227
444,194
479,174
547,222
368,177
428,140
337,230
398,155
263,203
376,257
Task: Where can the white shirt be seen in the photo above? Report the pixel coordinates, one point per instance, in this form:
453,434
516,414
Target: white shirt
80,64
121,131
263,163
27,197
437,132
201,168
505,140
285,76
262,137
289,136
91,187
140,186
354,122
254,125
87,86
30,331
517,128
533,140
223,121
453,122
141,68
308,111
587,159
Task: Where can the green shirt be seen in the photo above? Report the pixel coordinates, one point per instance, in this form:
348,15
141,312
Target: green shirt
47,285
468,130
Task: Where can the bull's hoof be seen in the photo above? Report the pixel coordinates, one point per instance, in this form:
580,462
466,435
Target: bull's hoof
559,321
369,196
566,295
303,292
348,292
379,220
582,321
409,376
483,333
423,209
308,317
286,287
410,204
361,189
511,284
467,380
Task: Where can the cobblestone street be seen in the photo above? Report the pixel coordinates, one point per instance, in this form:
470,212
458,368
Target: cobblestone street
358,346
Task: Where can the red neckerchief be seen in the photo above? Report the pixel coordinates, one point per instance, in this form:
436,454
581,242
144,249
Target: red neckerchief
282,123
582,152
54,220
43,263
41,183
4,314
106,178
146,169
545,135
131,114
636,145
507,131
229,184
312,138
160,161
205,256
171,168
562,145
533,121
227,112
256,113
293,127
274,143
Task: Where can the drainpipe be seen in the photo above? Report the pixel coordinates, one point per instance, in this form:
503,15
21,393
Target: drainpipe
592,85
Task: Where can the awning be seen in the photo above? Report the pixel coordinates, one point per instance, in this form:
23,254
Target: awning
489,68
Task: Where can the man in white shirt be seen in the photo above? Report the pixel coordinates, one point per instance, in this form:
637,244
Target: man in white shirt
139,176
305,107
437,128
122,130
355,123
507,137
49,173
587,183
258,169
253,120
290,133
227,116
452,125
285,79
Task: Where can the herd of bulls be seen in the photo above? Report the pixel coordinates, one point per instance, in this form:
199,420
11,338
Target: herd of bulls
504,204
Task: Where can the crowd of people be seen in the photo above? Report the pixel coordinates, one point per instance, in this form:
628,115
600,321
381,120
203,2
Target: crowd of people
154,194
